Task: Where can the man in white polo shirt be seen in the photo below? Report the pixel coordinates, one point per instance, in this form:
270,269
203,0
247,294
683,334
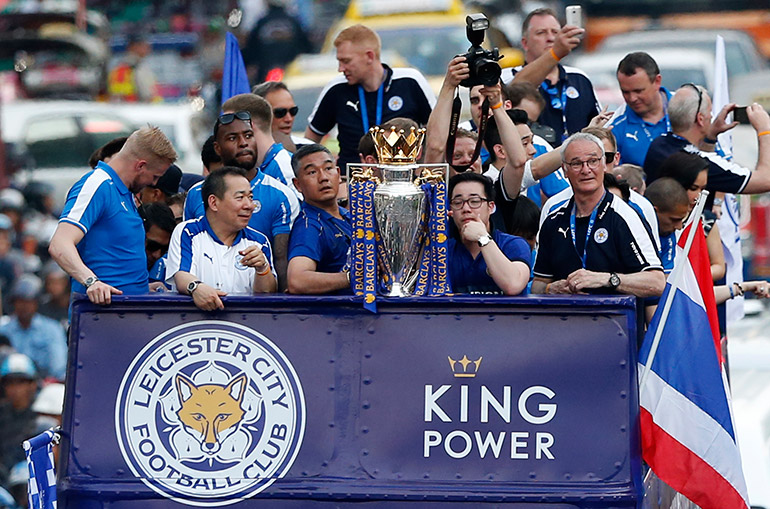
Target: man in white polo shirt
218,254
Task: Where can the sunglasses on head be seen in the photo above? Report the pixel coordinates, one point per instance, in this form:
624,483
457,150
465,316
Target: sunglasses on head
281,112
228,118
700,97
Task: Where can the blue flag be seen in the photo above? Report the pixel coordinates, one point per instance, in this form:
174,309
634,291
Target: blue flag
42,477
234,79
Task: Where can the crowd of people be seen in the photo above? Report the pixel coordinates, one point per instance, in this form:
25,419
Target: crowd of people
548,194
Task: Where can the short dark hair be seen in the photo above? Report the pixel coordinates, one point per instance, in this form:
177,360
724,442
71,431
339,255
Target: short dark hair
639,60
612,182
683,167
666,193
469,176
215,183
525,221
157,214
269,86
519,90
492,134
208,153
109,149
543,11
304,151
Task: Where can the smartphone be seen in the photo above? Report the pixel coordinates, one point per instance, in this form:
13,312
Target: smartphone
574,15
740,115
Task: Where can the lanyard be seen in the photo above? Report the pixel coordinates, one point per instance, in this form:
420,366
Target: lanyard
650,137
553,91
365,111
591,221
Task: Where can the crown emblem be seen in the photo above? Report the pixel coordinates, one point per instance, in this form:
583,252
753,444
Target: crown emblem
464,370
394,147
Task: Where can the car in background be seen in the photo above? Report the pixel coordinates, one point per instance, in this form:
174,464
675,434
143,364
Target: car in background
741,52
51,141
52,56
677,66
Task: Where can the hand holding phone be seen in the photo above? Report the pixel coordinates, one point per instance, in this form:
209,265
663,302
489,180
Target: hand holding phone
574,15
740,115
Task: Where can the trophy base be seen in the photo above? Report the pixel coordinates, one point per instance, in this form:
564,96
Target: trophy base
398,290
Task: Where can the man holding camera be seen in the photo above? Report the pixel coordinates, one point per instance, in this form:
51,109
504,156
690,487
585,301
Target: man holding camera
570,100
368,94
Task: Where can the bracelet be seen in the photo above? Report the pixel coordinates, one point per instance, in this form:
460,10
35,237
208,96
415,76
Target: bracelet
718,201
347,275
709,140
553,54
497,106
762,133
732,294
547,287
266,271
739,287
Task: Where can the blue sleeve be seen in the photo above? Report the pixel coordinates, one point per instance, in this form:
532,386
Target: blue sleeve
305,239
193,204
281,222
83,206
553,183
516,249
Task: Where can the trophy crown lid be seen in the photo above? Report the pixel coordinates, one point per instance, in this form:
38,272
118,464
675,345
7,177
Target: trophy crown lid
396,148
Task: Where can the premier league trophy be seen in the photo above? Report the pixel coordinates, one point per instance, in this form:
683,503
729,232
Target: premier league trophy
398,210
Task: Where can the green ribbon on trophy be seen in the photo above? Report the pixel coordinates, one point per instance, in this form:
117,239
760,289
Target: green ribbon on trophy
398,209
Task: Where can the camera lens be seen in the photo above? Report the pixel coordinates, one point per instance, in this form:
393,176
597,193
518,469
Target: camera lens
488,71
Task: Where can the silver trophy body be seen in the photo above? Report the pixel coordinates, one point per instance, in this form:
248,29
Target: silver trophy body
399,206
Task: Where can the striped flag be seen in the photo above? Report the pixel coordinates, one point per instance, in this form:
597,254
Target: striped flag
688,437
41,487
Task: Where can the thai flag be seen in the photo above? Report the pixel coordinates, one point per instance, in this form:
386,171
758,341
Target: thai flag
688,437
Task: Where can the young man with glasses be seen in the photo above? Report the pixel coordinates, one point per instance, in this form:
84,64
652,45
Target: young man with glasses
273,214
595,242
481,262
693,130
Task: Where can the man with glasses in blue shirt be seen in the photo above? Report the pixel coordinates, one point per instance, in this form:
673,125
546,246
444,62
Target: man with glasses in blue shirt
595,242
481,262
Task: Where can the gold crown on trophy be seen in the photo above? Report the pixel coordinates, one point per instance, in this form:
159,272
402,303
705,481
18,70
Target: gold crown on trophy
394,147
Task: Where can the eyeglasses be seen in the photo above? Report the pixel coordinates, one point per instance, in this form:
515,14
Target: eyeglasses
609,157
592,163
281,112
700,97
473,202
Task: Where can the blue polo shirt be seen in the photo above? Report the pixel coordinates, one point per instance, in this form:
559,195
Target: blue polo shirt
634,135
321,237
470,276
101,205
272,206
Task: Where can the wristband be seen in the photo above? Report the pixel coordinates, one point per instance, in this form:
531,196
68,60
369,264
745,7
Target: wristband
762,133
266,271
497,106
732,294
709,140
718,201
547,287
553,54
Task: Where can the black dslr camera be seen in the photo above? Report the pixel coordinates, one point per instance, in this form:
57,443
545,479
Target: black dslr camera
482,63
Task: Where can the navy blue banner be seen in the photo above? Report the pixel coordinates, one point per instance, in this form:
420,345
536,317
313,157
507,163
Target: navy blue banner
311,400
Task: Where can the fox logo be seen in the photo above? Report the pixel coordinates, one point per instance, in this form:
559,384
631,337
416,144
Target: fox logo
210,412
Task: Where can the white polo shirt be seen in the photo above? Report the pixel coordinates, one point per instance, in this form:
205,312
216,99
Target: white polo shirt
195,248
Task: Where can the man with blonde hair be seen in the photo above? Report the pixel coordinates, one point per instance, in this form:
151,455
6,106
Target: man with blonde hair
100,238
368,94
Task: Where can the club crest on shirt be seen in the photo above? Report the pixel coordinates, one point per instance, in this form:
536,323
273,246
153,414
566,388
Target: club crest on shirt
572,93
395,103
601,236
257,206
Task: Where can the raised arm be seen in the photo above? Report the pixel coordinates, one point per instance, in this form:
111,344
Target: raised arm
438,123
536,72
515,154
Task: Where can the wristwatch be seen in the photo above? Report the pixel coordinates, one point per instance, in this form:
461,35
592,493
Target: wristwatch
192,286
484,240
89,282
614,281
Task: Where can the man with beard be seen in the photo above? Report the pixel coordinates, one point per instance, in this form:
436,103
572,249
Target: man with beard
99,241
273,216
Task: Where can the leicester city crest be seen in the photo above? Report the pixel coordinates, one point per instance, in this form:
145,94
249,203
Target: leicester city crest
210,413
